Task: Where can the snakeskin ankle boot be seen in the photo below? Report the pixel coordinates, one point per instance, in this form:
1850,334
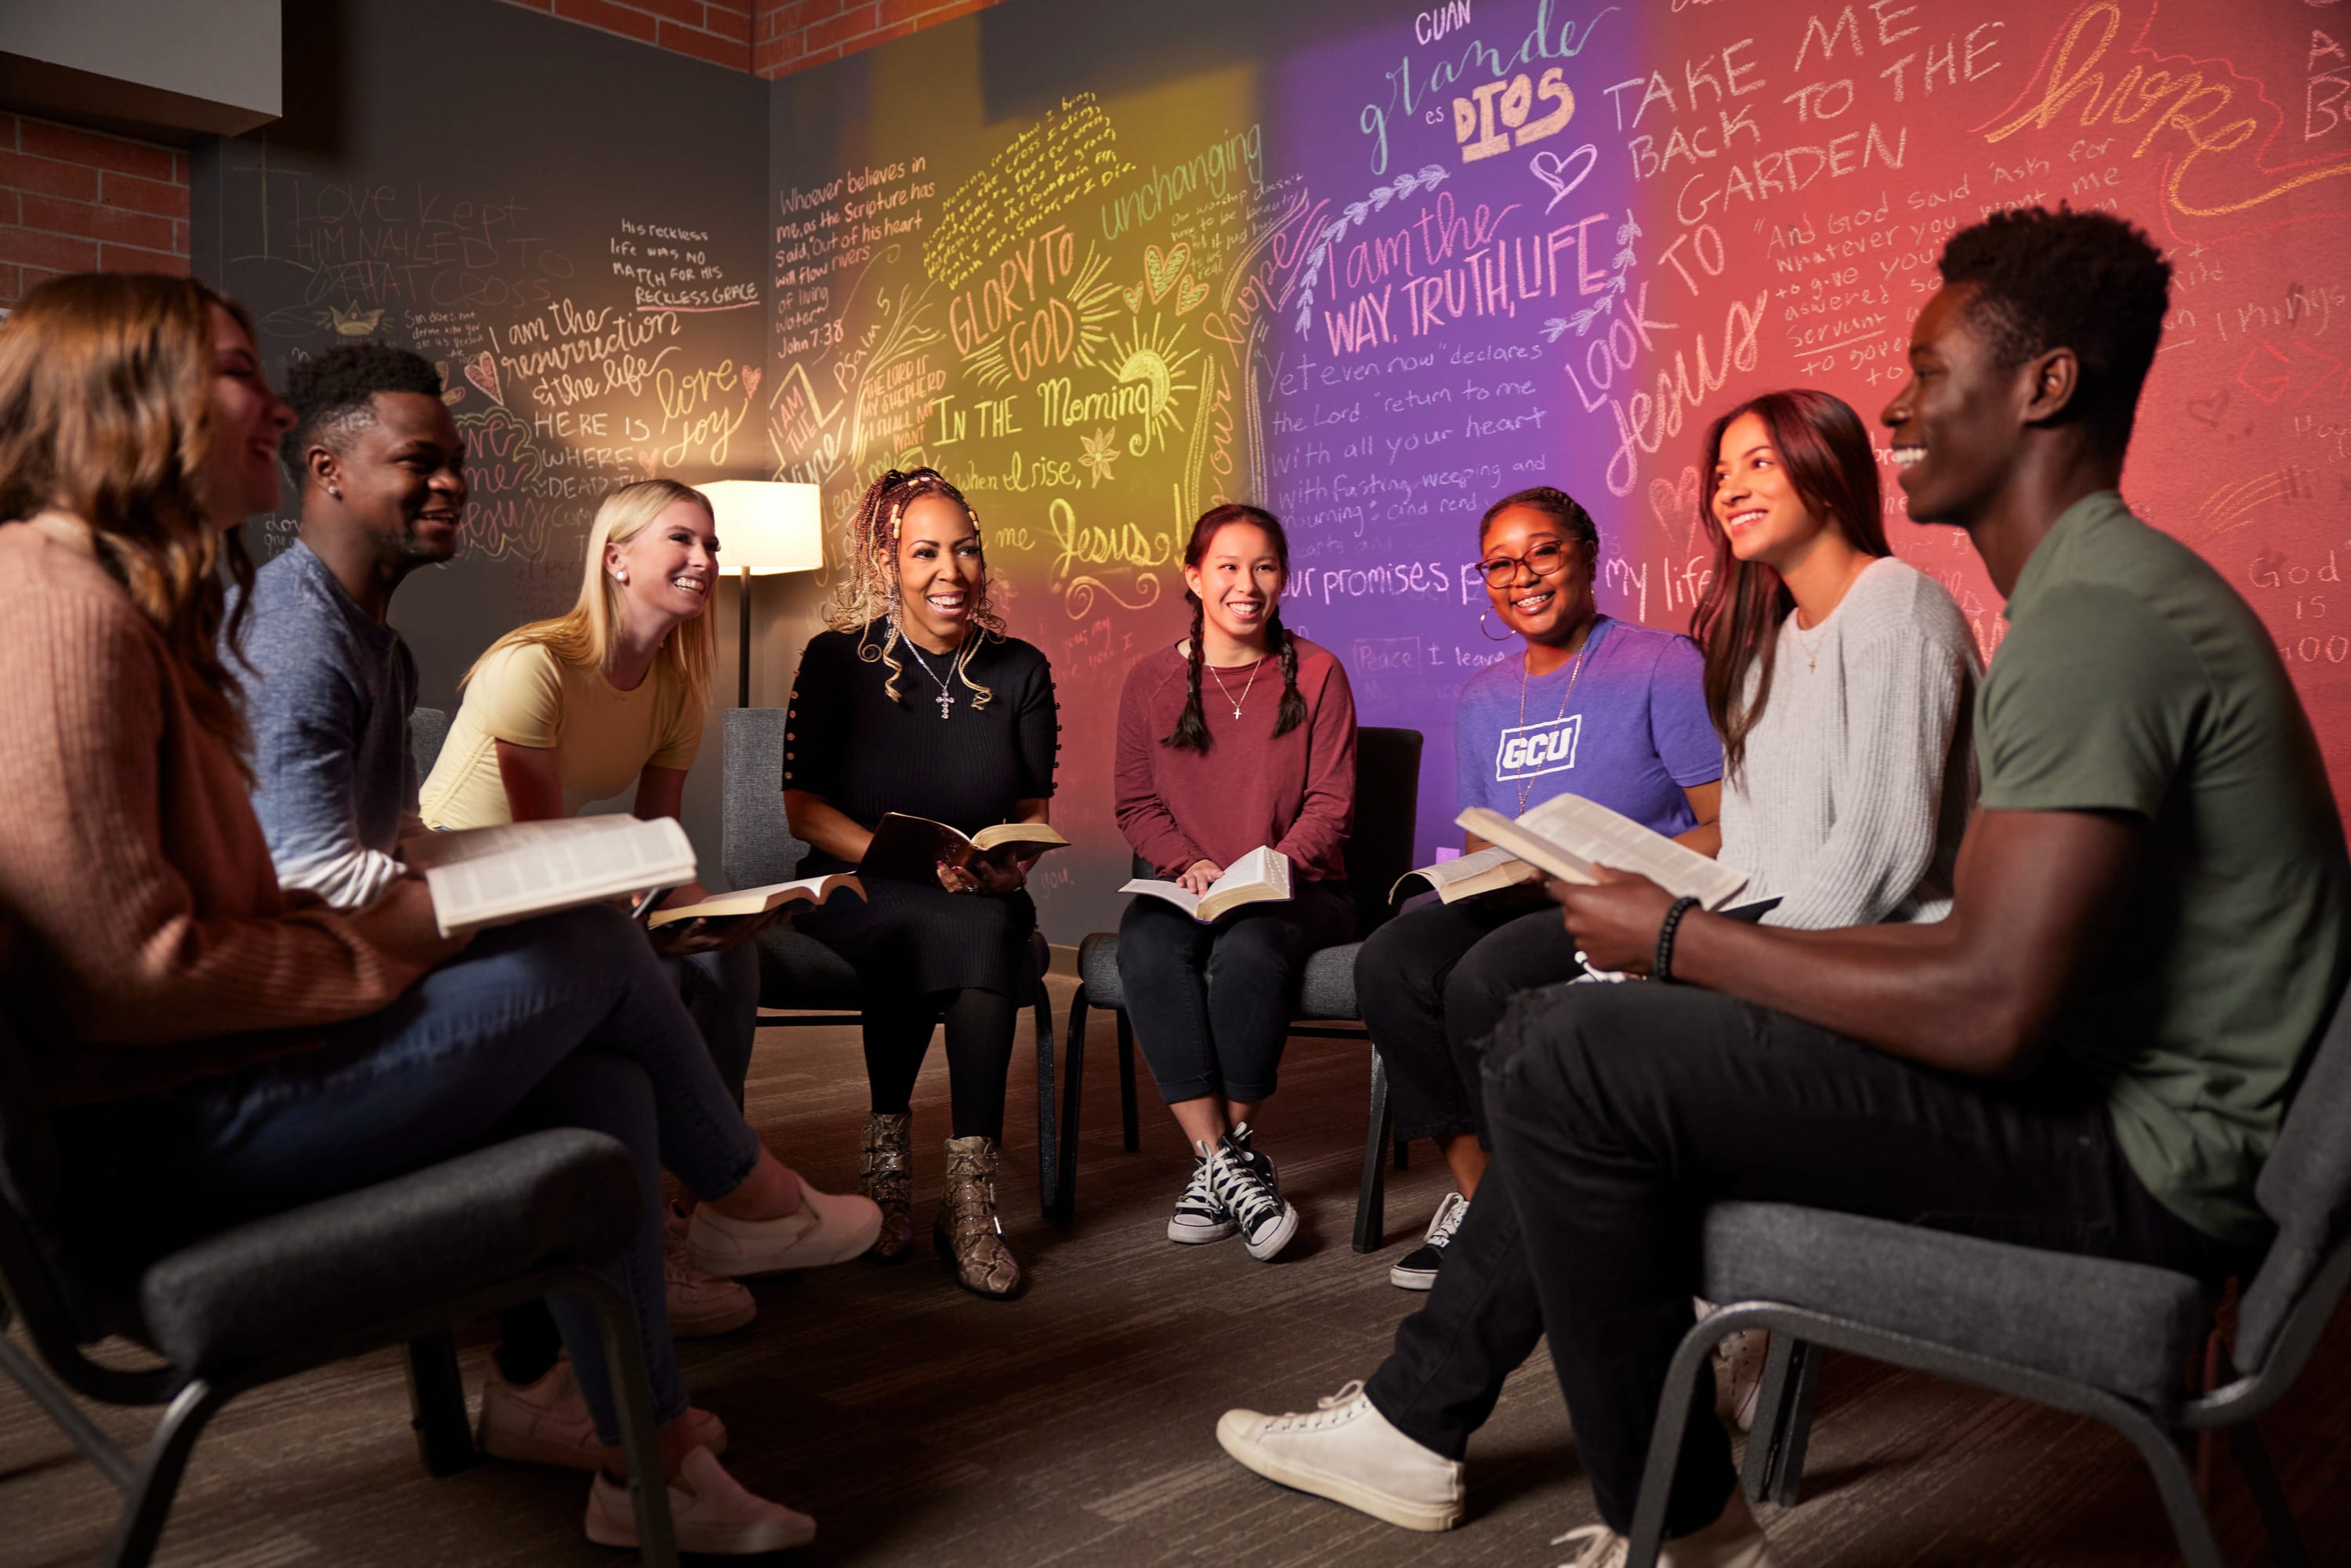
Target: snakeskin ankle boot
968,1233
885,1172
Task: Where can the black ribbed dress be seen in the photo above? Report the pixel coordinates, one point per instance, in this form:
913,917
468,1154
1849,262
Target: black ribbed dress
847,741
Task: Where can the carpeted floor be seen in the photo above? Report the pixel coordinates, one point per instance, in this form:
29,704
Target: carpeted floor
926,1427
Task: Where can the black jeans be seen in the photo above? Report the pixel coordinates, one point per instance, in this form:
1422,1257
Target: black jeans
1212,1004
1620,1112
1433,982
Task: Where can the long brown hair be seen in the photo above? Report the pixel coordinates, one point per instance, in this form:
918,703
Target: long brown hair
105,415
582,636
1191,731
868,592
1826,452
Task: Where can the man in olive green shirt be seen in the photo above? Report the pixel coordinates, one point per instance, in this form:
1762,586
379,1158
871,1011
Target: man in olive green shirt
2093,1051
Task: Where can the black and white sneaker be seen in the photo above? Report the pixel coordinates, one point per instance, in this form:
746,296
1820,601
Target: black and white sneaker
1241,1180
1200,1216
1416,1269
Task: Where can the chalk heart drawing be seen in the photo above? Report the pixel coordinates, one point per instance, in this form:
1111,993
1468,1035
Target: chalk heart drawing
1189,296
1563,174
1162,271
2206,410
650,463
1669,503
482,371
1133,298
752,376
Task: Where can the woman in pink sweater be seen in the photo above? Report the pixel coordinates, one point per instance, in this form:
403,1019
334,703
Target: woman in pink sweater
219,1046
1208,771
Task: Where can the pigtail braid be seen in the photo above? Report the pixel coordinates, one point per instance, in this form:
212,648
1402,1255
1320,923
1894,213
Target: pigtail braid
1293,705
1191,731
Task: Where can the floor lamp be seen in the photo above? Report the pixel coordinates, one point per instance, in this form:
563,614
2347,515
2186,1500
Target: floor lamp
764,528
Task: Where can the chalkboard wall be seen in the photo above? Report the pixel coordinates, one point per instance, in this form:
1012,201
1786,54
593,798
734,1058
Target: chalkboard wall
1373,266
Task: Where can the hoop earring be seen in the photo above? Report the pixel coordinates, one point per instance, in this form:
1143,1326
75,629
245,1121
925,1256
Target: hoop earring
1506,637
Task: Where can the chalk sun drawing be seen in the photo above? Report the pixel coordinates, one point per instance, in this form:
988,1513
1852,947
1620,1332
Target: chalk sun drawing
1150,356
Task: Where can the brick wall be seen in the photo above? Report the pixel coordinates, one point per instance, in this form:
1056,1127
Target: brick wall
717,30
792,35
74,200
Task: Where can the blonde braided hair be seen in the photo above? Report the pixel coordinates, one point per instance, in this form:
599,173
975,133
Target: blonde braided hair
869,592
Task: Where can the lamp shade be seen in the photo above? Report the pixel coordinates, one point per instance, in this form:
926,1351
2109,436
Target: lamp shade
766,526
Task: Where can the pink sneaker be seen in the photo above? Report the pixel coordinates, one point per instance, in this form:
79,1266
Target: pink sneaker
711,1511
701,1306
546,1422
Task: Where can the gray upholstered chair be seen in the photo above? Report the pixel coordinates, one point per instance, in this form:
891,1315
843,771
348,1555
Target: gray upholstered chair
1379,851
807,982
2108,1339
269,1298
428,730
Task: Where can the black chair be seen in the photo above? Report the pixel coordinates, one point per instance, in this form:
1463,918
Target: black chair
2103,1339
268,1298
806,983
1379,851
428,731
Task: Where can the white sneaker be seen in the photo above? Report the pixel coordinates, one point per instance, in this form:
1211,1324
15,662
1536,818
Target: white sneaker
546,1422
1198,1215
700,1305
1734,1541
1416,1269
825,1229
1739,1377
1242,1180
717,1515
1345,1450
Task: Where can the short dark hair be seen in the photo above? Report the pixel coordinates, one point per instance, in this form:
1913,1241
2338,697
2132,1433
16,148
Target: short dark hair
1555,504
2090,282
330,394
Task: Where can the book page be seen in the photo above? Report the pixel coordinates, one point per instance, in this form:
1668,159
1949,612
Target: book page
1264,866
759,900
1021,833
531,868
1171,891
1568,835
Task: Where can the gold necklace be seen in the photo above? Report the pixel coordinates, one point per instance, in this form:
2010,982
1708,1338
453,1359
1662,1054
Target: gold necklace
1252,681
1574,674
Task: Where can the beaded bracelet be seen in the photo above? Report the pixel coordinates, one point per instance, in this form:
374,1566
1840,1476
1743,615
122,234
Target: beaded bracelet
1663,968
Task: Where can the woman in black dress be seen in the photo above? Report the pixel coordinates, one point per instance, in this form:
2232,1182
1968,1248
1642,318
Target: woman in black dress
916,702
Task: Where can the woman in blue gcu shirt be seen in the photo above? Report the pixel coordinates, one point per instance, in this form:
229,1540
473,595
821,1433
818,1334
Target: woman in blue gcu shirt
1588,706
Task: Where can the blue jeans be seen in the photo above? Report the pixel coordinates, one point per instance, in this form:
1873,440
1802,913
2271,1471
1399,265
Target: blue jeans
721,992
568,1021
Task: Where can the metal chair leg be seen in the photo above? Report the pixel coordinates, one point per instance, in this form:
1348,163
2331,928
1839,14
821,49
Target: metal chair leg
1064,1199
1126,1083
1774,1471
1372,1198
140,1525
2176,1483
1676,1407
633,1401
436,1404
2253,1457
1049,1165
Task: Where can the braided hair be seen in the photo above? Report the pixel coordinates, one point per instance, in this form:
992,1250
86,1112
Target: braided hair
1191,731
868,595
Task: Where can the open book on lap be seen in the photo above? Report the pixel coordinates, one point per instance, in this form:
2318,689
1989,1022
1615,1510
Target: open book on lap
912,848
724,908
1467,876
1260,876
494,876
1568,835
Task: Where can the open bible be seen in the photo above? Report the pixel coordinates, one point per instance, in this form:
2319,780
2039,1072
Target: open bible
1260,876
494,876
911,848
1466,876
722,907
1568,835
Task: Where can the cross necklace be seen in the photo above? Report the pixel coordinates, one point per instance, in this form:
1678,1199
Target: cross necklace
1245,685
946,699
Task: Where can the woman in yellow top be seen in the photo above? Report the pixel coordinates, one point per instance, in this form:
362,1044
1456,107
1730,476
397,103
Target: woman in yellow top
563,713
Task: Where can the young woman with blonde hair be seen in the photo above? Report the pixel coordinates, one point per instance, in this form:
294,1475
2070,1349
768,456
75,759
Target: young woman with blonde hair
220,1047
915,701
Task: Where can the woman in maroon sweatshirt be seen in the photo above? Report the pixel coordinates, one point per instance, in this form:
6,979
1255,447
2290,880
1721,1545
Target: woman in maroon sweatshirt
1208,770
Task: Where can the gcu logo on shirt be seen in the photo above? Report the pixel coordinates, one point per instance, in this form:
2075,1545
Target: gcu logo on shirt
1533,749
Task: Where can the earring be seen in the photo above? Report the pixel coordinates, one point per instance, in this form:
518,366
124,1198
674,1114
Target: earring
622,578
1488,635
336,494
